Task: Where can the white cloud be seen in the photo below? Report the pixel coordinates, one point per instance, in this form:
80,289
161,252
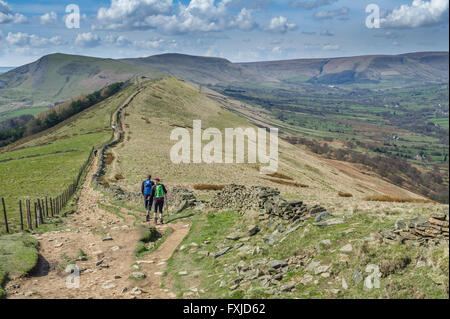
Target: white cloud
330,14
419,13
7,15
49,18
132,14
244,20
162,15
119,41
149,44
277,50
20,39
331,47
281,24
88,40
311,4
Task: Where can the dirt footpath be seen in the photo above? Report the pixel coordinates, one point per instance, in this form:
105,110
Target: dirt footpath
109,243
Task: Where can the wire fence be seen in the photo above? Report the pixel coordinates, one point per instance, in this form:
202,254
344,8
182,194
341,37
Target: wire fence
34,213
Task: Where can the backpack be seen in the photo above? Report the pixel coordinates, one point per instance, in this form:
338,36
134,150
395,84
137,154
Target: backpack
159,191
148,187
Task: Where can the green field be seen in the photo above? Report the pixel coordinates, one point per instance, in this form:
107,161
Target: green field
46,165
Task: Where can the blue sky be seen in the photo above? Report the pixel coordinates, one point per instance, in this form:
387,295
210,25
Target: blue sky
239,30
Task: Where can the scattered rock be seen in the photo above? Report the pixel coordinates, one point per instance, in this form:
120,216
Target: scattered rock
234,236
136,291
306,279
357,277
276,264
221,252
326,242
321,269
138,275
108,285
330,222
183,273
312,266
347,248
344,284
253,230
322,216
288,286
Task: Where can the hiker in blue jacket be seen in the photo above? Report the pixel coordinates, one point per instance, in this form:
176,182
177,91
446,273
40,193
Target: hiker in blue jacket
146,190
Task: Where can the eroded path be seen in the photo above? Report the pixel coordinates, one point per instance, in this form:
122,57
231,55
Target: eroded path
109,242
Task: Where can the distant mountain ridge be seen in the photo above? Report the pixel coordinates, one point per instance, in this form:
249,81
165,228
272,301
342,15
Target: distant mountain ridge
57,77
426,67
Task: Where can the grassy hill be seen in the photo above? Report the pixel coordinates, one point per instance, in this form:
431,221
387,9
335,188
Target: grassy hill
193,271
219,258
28,166
405,69
170,103
57,77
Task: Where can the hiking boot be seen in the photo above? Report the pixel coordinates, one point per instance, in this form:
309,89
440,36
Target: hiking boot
156,220
147,218
161,221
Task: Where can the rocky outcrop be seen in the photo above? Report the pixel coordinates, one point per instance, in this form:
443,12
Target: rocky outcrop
418,231
180,199
264,200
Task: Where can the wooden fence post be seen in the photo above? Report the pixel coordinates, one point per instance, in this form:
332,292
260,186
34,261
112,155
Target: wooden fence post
35,215
4,214
42,207
29,220
21,215
46,206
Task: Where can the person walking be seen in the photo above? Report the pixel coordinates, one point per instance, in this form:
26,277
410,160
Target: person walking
159,192
146,190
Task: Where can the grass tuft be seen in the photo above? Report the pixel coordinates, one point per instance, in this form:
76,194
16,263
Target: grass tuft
208,187
384,198
344,194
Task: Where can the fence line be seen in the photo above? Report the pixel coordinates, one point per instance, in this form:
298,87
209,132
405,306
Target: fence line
41,205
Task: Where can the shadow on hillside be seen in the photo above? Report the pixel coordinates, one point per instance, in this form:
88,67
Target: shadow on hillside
42,267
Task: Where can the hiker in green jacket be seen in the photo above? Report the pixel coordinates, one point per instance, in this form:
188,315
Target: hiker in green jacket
159,192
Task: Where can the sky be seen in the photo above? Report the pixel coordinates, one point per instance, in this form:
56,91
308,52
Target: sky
238,30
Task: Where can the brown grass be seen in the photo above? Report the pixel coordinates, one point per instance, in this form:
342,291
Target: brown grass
102,180
282,182
208,187
384,198
146,120
109,158
344,194
119,177
281,176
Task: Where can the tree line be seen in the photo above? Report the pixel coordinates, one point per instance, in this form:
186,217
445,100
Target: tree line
16,128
